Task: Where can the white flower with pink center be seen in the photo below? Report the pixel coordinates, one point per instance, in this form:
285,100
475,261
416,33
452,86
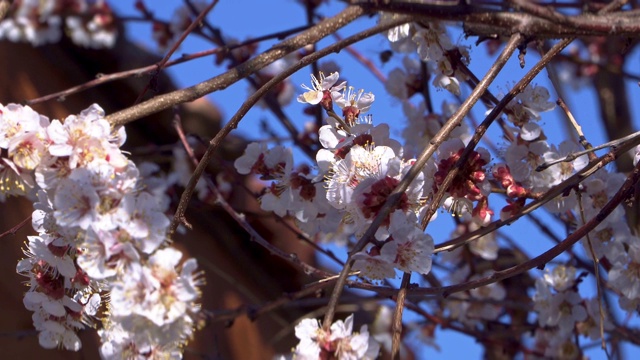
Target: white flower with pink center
55,253
86,138
411,252
432,41
482,309
76,200
591,326
320,90
54,334
140,217
362,162
528,105
600,187
352,103
562,309
157,292
340,342
337,143
400,36
274,163
524,158
375,265
535,99
26,150
106,253
17,120
561,278
403,83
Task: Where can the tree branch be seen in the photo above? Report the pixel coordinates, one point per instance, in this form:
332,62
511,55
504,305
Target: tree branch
481,20
241,71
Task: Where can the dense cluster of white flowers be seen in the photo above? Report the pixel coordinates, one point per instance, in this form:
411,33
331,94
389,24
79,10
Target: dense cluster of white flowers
357,169
100,232
563,313
38,22
359,166
434,48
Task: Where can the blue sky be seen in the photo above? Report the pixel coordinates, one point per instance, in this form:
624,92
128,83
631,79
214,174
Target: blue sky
264,17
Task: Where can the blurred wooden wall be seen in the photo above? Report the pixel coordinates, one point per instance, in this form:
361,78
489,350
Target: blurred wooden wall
238,272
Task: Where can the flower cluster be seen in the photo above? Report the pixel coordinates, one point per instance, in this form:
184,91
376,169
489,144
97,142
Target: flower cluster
520,177
357,169
471,185
359,166
339,342
528,105
561,311
86,23
434,47
99,232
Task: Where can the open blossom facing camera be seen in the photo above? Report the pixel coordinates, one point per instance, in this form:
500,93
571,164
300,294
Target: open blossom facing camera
352,103
407,248
321,90
339,342
528,105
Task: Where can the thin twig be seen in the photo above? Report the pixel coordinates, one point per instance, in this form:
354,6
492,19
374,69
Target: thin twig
488,98
255,82
552,74
596,268
253,312
241,71
15,229
106,78
175,47
300,235
396,327
633,139
240,219
581,138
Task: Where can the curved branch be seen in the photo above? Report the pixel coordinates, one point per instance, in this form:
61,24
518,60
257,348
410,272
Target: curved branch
241,71
146,70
